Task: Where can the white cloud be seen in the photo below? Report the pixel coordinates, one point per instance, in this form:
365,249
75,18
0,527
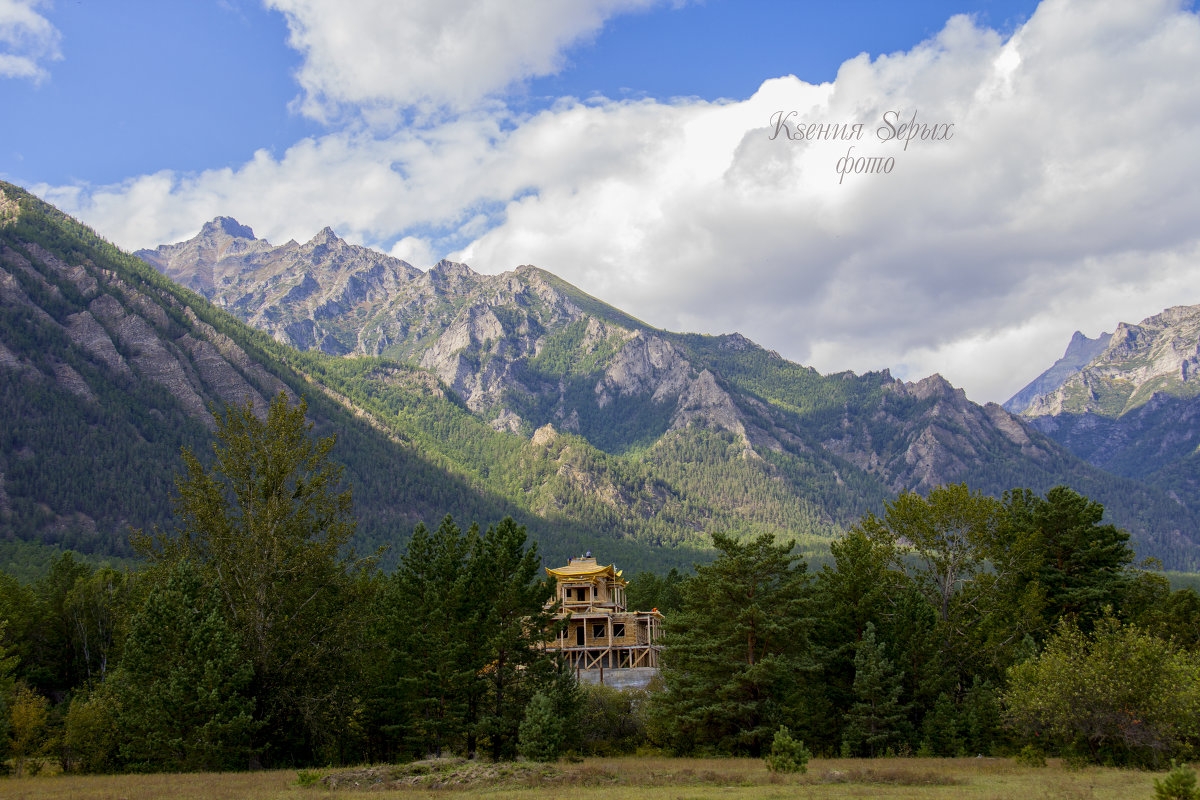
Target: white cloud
26,40
1066,199
415,250
377,55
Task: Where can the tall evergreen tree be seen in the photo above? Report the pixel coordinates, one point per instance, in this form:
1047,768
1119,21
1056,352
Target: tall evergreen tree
876,719
861,587
515,627
429,612
182,687
1082,561
737,653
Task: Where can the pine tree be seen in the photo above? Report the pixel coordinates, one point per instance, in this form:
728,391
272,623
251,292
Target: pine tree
182,687
430,613
876,718
515,627
541,733
737,653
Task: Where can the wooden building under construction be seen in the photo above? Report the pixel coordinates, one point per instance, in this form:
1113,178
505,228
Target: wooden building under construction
600,635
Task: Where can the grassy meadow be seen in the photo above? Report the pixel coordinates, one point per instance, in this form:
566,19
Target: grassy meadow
629,778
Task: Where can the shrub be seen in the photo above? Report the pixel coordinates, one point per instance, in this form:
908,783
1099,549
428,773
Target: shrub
787,754
1031,756
541,732
612,720
1116,695
1180,784
307,777
91,734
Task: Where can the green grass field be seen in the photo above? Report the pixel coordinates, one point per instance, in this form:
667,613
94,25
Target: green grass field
628,779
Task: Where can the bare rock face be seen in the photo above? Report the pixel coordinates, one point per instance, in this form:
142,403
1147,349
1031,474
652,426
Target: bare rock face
12,294
89,334
221,377
8,358
705,402
544,436
9,210
73,382
151,356
647,364
77,274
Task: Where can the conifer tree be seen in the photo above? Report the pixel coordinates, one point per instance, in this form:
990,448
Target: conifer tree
541,732
737,654
430,611
876,718
515,627
181,689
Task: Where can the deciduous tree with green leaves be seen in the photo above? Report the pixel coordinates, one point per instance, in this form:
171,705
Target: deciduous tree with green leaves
270,525
1116,694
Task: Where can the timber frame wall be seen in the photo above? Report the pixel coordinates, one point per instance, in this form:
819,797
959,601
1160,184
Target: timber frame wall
600,634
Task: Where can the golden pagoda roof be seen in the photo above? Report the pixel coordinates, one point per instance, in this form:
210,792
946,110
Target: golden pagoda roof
584,568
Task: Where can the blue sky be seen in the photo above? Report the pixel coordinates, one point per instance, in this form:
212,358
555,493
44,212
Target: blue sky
625,145
196,85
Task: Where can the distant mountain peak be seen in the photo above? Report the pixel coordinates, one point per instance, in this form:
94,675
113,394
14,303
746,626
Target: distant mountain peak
228,226
1079,353
447,267
933,386
325,237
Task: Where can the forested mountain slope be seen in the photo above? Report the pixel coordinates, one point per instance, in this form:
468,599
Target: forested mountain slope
574,409
107,369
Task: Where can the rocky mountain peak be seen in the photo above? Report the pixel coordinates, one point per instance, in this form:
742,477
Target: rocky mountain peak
736,342
1117,373
227,226
451,269
1080,351
325,238
934,386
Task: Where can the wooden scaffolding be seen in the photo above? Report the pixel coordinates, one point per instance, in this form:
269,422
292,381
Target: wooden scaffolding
600,634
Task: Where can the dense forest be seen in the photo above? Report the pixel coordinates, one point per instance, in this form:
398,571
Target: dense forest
254,635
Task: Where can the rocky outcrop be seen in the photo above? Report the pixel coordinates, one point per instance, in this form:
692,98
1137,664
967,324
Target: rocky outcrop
131,334
647,364
935,435
151,356
706,403
8,358
73,382
89,334
9,210
1158,355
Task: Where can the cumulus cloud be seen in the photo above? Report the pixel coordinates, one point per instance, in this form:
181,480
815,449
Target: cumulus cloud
27,39
1065,196
380,55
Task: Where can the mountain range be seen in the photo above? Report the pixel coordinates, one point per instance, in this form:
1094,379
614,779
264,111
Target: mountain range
1128,402
469,394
